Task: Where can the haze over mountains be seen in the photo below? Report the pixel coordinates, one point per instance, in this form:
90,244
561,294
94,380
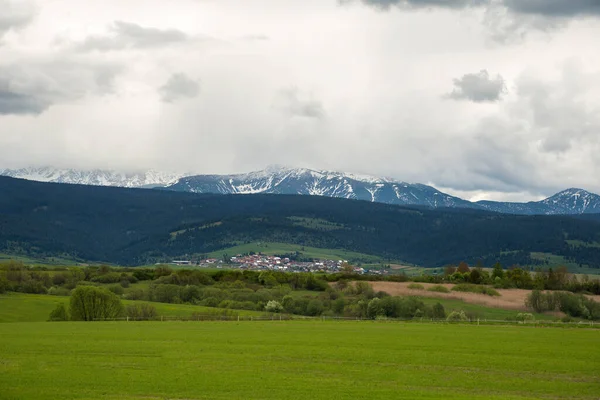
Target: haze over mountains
302,181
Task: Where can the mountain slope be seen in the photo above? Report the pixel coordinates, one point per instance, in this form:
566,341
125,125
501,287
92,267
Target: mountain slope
280,180
302,181
134,226
95,177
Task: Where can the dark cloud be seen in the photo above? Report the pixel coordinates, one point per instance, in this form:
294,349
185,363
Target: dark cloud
126,35
554,8
35,88
415,4
179,86
293,102
19,103
479,88
15,15
506,20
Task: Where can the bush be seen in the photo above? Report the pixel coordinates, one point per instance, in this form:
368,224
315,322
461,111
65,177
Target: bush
274,307
59,313
524,317
58,291
416,286
141,311
439,289
438,311
116,289
457,316
480,289
89,303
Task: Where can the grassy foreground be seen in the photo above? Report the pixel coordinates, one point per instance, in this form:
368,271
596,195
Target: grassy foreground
295,360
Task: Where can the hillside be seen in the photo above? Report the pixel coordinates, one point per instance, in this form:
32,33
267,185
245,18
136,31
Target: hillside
138,226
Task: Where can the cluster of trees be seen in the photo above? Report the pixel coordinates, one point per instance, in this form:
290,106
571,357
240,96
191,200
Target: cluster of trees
578,306
90,303
515,277
17,277
133,227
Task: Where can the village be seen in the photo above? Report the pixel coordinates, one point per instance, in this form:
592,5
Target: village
262,262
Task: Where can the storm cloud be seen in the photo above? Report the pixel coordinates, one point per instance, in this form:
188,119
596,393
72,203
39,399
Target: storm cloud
479,88
34,88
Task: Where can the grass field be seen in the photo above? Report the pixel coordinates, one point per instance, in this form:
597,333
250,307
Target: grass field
295,360
18,307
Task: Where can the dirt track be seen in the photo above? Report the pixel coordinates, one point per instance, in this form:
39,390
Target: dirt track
513,299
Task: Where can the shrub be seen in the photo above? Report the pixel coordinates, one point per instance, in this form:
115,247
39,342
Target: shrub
524,317
438,311
470,288
58,291
136,294
89,303
416,286
116,289
439,289
274,306
59,313
457,316
111,277
141,311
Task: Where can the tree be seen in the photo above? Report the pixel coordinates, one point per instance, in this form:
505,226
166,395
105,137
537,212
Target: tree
141,311
438,311
535,300
457,316
89,303
498,271
274,306
463,268
59,313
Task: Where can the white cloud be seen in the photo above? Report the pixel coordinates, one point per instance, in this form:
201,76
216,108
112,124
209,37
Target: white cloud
346,88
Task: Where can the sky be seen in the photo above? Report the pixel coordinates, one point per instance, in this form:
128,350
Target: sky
494,99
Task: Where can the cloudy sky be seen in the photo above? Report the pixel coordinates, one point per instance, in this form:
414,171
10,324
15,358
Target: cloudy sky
491,99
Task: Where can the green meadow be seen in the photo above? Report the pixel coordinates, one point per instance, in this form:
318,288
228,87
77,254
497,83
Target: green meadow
295,360
19,307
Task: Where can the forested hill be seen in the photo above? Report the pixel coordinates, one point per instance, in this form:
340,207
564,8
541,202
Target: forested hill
136,226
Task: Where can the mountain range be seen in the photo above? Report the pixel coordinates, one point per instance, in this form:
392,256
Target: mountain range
141,226
303,181
95,177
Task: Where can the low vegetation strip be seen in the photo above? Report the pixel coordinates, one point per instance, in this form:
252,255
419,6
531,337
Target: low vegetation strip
295,360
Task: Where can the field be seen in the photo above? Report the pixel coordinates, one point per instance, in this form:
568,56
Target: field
510,301
17,307
296,360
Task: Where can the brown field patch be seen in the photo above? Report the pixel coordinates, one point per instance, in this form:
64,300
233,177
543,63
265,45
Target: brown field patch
512,299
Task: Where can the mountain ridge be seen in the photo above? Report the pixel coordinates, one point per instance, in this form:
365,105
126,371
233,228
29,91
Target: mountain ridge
276,179
141,226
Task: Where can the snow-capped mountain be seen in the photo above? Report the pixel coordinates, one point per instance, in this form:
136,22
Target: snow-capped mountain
303,181
570,201
94,177
281,180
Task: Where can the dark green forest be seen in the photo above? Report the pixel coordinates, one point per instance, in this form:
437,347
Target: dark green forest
139,226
